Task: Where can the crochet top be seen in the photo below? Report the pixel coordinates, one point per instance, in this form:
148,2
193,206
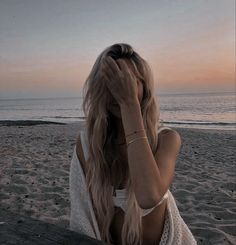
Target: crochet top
82,215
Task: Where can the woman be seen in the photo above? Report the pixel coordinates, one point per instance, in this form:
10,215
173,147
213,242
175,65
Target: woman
123,163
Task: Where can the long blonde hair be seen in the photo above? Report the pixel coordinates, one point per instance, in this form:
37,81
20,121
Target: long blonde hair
101,132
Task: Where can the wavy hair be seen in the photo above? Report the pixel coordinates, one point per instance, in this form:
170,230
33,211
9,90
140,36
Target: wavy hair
101,131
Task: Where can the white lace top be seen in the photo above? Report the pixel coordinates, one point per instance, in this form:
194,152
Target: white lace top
82,216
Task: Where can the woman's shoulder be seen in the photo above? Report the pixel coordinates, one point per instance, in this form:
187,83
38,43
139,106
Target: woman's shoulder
81,138
165,129
80,151
168,134
169,138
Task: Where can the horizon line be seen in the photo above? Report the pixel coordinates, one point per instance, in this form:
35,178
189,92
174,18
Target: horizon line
77,97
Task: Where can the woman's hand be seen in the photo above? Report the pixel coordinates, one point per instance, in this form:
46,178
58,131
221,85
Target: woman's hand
120,81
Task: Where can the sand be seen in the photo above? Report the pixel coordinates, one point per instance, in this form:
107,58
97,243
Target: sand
34,177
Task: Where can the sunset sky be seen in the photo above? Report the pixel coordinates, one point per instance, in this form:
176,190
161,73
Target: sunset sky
48,47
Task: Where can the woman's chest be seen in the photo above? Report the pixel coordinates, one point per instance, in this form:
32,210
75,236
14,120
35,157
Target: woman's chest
152,223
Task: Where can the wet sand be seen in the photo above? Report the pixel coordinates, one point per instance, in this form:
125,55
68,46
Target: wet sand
34,177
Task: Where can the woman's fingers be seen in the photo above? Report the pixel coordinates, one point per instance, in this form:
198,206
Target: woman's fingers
110,65
105,69
113,64
123,65
115,67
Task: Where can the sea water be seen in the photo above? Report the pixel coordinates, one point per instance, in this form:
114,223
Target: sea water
202,110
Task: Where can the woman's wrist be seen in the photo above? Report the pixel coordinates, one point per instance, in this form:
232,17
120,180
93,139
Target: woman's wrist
132,120
131,105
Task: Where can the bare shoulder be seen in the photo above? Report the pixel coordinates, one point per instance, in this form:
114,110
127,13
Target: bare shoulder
169,133
170,139
80,153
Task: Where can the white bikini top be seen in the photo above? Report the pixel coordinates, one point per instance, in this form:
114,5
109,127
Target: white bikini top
120,200
120,197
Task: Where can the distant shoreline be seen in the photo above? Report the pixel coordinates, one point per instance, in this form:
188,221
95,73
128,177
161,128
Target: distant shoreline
159,94
26,122
12,123
197,111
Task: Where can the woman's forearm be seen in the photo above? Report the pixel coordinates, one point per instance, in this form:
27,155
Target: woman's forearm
144,171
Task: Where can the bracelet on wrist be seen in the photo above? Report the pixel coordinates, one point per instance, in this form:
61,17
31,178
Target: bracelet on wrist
131,141
135,132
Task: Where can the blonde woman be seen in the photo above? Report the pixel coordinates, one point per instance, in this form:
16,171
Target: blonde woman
124,160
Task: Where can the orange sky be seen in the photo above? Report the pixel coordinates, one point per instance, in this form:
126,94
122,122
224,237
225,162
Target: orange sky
189,45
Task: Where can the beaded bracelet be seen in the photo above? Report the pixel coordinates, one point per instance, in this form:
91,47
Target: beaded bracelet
136,139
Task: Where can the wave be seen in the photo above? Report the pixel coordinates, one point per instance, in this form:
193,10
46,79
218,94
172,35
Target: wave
200,123
26,122
189,122
62,117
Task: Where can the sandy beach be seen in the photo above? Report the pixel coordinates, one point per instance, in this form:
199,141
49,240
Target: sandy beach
34,177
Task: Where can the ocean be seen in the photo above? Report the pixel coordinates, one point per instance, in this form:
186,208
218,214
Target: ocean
202,110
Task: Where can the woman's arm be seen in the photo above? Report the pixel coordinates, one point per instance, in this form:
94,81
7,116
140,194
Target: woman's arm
151,175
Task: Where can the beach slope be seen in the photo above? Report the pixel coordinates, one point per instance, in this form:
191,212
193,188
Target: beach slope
34,177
